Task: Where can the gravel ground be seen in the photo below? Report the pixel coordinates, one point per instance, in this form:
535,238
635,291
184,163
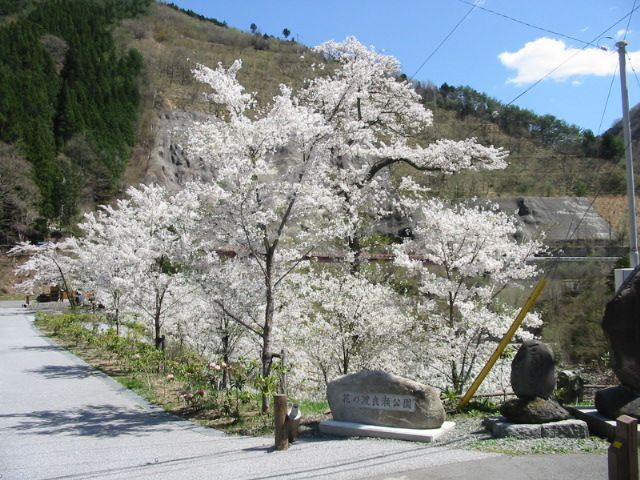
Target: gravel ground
471,434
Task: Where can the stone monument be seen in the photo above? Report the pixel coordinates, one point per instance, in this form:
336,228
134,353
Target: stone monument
380,398
621,325
377,403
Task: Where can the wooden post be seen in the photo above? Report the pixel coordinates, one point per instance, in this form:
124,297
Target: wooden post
623,452
280,418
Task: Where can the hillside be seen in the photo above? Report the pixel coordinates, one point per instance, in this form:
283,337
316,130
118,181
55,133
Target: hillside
91,142
69,104
616,131
548,156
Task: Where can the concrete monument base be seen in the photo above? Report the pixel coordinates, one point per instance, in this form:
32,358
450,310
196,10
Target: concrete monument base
501,427
352,429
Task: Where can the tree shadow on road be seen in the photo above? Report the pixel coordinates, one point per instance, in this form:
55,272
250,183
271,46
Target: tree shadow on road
65,371
39,348
92,421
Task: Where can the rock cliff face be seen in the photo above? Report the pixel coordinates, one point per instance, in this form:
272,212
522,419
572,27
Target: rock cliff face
167,164
561,218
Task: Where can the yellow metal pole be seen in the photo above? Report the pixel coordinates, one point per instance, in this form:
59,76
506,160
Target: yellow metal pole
537,290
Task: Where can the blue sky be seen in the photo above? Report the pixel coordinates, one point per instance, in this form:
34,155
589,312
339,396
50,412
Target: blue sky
488,52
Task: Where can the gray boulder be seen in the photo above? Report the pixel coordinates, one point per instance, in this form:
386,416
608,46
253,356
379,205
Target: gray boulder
621,325
533,371
615,401
383,399
537,410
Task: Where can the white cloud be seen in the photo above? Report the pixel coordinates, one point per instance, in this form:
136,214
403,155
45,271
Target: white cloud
621,33
540,57
576,82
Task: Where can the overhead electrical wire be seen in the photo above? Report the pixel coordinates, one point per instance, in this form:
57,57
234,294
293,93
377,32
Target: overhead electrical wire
600,35
435,50
533,85
633,69
522,22
630,14
570,233
626,30
606,103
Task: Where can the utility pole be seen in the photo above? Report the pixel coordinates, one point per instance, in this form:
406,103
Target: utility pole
631,196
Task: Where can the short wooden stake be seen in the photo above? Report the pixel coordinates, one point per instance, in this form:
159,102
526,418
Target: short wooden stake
623,452
280,419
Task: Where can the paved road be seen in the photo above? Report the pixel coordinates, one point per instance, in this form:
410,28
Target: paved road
60,419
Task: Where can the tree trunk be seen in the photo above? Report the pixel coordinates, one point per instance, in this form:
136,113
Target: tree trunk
268,325
225,359
356,249
159,339
116,303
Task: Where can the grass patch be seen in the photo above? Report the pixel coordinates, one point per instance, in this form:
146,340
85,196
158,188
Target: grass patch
10,296
544,446
313,407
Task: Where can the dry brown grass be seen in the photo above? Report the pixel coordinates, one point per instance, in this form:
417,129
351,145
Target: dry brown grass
7,278
615,210
172,43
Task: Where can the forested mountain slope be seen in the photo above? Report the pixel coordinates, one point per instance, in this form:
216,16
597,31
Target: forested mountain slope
68,109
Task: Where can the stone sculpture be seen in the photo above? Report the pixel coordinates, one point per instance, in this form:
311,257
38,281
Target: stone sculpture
533,381
621,325
533,371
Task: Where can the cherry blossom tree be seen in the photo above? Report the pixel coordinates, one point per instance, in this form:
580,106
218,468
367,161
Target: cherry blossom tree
312,169
101,267
465,256
341,322
132,254
378,123
49,263
272,192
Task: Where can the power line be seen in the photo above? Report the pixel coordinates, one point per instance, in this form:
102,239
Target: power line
606,103
522,22
533,85
633,70
544,77
626,30
464,17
